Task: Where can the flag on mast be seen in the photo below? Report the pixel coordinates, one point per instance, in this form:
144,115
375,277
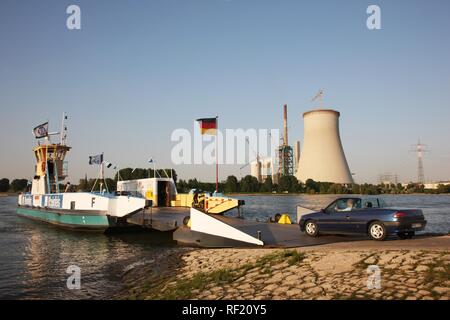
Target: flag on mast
41,131
208,126
98,159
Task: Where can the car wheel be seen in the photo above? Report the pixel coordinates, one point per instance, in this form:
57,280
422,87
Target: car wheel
377,231
406,235
311,228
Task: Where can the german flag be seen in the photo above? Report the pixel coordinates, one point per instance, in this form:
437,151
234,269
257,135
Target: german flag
208,125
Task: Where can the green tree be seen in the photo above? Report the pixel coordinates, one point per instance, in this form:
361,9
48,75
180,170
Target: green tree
194,184
288,183
112,184
311,186
336,188
249,184
231,184
267,185
18,185
399,188
442,188
4,185
83,185
182,186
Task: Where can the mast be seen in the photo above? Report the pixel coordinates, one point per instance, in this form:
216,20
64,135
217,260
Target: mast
217,154
63,129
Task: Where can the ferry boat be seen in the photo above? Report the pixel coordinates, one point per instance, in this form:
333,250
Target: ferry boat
78,210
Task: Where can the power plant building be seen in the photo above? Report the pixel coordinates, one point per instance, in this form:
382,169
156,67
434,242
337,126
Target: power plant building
262,169
255,169
322,157
267,169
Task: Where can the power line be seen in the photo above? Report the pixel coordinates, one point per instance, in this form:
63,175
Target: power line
420,149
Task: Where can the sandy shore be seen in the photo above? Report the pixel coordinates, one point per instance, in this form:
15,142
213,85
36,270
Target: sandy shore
408,269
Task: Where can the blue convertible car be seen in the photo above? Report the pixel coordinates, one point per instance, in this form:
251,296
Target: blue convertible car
356,215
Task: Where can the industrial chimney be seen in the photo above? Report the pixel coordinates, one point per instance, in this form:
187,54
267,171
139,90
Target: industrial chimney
322,157
296,154
285,154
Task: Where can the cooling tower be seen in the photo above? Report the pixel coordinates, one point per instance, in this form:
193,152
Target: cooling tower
255,169
266,169
322,157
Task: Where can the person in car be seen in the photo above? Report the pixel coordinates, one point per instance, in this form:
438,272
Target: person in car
350,204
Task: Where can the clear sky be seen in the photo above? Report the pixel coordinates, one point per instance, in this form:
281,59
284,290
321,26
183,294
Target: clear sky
137,70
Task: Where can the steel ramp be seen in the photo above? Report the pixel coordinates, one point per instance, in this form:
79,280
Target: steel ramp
160,218
221,231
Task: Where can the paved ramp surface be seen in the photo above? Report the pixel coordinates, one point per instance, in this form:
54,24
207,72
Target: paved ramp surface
161,218
282,235
420,242
272,234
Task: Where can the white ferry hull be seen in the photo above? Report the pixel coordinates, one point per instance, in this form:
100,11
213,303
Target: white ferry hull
88,211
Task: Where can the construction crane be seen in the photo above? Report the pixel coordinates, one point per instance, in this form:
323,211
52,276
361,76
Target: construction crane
319,97
257,156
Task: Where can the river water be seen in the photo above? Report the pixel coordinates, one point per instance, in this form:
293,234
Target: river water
34,256
436,208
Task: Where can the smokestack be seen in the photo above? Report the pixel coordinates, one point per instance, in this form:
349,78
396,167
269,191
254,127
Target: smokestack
296,154
285,125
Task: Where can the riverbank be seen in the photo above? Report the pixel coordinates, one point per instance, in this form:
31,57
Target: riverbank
246,194
410,269
7,194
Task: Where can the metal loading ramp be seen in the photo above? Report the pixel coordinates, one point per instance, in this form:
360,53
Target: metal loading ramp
160,218
219,231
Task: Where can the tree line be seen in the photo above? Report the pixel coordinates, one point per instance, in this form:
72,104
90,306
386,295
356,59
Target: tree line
290,184
247,184
17,185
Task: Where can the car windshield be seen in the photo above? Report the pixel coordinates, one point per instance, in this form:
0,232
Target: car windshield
354,204
344,204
